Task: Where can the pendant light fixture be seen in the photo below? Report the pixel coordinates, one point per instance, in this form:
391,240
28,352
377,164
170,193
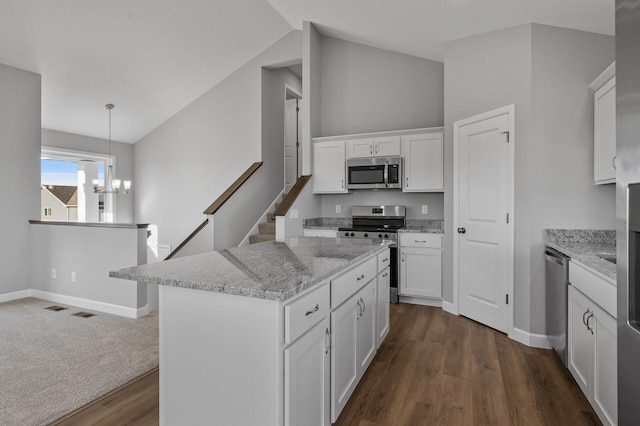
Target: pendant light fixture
111,184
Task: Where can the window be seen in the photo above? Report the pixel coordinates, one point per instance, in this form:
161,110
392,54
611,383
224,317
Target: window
47,212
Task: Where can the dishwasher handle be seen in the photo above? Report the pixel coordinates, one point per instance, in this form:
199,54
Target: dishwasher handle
554,257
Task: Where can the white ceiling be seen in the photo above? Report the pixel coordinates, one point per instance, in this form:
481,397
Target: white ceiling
152,58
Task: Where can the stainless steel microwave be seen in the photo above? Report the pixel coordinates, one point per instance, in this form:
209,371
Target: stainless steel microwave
374,173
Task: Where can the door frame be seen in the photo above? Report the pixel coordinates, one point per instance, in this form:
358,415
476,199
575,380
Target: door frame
288,89
510,110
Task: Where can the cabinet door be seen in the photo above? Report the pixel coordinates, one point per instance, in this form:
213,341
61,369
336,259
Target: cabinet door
360,148
344,366
382,323
366,331
420,272
605,361
306,381
604,133
387,146
423,162
329,168
580,340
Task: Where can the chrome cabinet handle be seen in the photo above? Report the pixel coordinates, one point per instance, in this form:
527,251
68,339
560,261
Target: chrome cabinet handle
370,149
364,306
361,277
342,183
313,310
584,321
403,256
588,327
407,180
359,310
384,275
327,336
613,162
386,259
419,241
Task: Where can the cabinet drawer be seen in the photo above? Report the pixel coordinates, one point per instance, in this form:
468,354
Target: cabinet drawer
384,260
304,313
598,289
345,285
420,240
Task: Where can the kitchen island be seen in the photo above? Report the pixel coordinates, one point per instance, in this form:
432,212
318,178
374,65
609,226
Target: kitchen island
277,333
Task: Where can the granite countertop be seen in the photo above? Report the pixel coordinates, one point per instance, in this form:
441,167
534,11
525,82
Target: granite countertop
430,226
583,246
276,270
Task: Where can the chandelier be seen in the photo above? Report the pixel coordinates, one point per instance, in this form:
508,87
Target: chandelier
111,184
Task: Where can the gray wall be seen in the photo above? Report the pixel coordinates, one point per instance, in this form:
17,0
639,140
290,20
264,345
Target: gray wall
20,172
366,89
545,72
123,165
186,163
413,202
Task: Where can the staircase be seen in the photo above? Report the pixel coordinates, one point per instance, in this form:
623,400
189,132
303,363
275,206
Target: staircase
267,230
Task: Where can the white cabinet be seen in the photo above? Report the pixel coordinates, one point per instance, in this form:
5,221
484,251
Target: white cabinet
421,265
604,126
382,318
592,336
307,391
423,156
329,233
329,168
353,337
381,146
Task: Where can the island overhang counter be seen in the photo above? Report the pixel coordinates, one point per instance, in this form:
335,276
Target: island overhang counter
276,333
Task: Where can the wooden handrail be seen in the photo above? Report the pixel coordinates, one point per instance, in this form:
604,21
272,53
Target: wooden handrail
291,196
233,188
186,240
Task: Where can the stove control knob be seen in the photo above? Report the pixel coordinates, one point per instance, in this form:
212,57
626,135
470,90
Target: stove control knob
386,235
379,235
353,235
366,235
346,234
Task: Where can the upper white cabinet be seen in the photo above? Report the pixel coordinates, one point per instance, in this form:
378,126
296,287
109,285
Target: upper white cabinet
423,162
329,168
604,126
382,146
422,151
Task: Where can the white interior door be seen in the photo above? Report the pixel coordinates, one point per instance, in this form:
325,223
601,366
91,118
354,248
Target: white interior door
483,238
290,157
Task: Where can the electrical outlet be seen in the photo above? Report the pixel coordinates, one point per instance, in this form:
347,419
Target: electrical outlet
53,272
338,208
73,276
293,213
425,209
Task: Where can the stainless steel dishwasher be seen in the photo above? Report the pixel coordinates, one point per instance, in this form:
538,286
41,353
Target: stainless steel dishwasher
557,281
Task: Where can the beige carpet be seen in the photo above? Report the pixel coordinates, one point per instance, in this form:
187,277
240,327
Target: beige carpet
52,363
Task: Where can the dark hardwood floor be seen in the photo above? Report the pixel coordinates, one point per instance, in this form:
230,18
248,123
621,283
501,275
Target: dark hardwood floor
433,369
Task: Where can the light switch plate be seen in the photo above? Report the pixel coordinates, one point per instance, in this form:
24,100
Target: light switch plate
338,208
293,213
425,209
73,276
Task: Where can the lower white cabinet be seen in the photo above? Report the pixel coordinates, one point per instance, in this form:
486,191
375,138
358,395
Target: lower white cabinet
420,265
311,232
353,344
592,335
382,317
307,390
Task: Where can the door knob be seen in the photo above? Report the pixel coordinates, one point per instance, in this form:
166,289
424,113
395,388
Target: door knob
462,230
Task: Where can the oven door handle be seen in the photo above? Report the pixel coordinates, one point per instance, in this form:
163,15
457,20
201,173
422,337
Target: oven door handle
386,175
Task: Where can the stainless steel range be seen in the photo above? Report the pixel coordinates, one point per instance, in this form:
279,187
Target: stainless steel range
379,222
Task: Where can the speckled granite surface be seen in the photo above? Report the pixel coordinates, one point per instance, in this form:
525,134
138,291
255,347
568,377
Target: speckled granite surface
327,223
584,245
276,270
432,226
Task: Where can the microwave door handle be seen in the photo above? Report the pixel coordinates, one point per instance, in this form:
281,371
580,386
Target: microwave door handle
386,175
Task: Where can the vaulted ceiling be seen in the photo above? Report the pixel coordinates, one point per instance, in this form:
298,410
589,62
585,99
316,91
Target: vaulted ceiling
152,58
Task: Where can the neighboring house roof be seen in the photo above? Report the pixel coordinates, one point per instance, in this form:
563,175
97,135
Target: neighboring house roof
68,195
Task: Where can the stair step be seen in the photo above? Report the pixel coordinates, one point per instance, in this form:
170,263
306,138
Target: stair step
271,217
259,238
267,228
276,205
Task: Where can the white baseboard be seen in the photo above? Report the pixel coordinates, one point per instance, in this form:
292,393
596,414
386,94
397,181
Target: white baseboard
8,297
530,339
93,305
449,307
420,301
